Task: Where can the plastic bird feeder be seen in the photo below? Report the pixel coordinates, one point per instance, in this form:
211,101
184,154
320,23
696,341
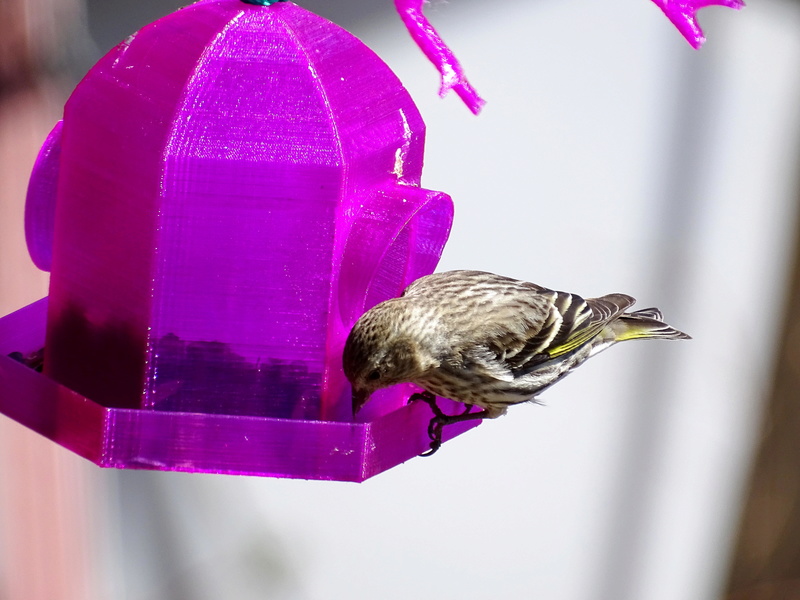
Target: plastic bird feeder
230,188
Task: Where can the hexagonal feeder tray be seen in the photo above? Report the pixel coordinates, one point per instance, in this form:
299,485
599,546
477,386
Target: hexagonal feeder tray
203,442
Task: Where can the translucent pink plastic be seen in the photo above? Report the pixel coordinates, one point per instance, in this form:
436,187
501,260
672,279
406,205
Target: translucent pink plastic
683,14
231,187
40,210
432,45
212,443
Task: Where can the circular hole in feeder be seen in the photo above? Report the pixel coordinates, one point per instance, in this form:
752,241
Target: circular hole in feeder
384,255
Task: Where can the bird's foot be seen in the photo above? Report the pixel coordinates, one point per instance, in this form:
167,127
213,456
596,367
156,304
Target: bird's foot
435,445
429,399
440,419
435,429
436,423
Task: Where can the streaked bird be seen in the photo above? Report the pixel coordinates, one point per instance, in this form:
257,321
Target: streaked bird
485,340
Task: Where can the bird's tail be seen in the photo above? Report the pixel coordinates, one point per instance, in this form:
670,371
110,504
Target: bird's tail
645,324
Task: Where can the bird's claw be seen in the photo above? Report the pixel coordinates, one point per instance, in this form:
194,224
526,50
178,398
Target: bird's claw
440,419
428,399
435,430
436,424
434,447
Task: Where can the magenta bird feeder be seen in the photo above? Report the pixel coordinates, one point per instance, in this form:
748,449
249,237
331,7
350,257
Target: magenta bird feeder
229,190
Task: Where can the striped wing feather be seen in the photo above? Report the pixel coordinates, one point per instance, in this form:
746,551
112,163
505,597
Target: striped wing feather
527,324
572,322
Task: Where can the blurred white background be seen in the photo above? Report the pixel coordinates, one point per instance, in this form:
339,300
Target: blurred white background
610,158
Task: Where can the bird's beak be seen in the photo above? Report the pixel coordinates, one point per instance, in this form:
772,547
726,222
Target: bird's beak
360,398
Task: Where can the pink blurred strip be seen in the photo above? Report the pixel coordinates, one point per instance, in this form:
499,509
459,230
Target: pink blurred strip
429,41
683,14
48,511
48,505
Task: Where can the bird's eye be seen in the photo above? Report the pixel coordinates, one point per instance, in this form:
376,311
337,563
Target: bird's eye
373,375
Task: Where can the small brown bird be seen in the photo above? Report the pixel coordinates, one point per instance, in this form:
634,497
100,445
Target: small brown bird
485,340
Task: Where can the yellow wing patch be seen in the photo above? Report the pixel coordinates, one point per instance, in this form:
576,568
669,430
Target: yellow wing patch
599,312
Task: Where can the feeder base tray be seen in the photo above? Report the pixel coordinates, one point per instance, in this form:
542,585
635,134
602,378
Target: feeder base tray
199,442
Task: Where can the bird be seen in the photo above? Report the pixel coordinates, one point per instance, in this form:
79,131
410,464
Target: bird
486,341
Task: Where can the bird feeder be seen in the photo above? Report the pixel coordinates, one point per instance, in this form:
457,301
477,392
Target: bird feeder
229,190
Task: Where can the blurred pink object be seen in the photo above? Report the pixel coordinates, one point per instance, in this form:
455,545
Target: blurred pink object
232,186
432,45
682,13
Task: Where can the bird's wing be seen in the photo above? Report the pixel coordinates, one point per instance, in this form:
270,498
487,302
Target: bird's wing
570,322
592,315
514,325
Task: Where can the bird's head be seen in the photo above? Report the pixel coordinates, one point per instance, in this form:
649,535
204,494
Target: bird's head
379,352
